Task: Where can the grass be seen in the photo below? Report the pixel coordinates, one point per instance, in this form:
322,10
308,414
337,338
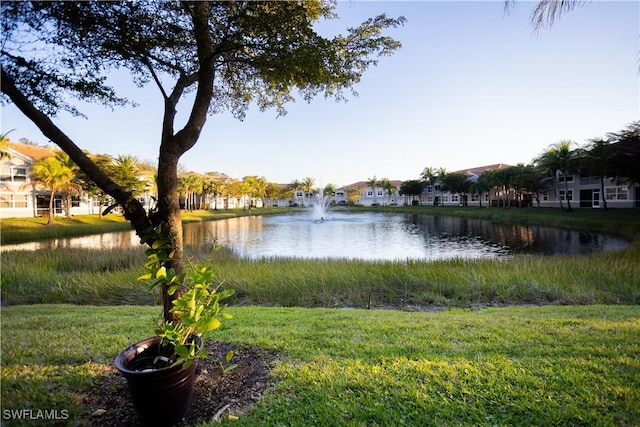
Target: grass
509,366
104,277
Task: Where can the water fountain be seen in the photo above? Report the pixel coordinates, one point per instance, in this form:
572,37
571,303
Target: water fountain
321,207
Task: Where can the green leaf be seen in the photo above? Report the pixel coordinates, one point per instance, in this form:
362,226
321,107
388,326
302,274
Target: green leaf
159,243
182,351
211,324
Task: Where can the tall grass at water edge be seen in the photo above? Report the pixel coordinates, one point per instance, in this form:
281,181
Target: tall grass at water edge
105,277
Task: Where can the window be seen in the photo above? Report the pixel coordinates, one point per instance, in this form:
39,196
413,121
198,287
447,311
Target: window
567,196
5,201
13,173
20,201
454,198
19,174
5,173
75,201
616,193
445,198
370,193
429,188
13,200
379,192
568,177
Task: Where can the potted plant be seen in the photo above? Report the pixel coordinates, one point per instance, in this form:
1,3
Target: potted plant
160,370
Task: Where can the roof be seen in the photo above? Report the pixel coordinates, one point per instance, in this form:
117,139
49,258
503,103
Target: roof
479,169
32,152
365,184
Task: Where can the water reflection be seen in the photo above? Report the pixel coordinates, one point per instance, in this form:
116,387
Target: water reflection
368,236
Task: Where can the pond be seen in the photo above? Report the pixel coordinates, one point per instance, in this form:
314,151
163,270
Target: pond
366,236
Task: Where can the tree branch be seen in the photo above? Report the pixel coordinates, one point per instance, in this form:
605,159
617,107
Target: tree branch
133,209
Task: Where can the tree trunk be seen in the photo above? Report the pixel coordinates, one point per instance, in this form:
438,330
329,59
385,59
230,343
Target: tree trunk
602,195
68,203
556,184
50,220
566,193
172,146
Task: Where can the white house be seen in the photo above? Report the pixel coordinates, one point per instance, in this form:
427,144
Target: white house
368,196
19,196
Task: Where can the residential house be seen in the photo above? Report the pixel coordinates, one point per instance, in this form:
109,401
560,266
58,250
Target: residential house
368,196
20,197
586,191
433,195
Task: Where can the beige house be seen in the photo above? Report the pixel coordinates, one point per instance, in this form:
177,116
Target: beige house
18,196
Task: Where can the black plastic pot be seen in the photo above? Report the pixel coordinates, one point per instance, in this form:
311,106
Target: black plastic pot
161,397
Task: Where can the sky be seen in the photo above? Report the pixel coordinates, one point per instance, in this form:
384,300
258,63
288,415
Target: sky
470,87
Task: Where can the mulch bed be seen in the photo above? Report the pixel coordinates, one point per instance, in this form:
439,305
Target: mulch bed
217,394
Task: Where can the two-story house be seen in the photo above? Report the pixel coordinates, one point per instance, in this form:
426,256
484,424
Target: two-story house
367,196
19,197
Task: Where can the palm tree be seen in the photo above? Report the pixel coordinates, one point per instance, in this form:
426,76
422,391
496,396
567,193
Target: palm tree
482,185
547,11
558,161
255,188
127,174
373,183
428,175
440,174
71,190
190,185
4,145
55,176
215,187
307,187
388,187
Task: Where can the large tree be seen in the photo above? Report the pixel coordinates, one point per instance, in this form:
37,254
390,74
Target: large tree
456,183
230,55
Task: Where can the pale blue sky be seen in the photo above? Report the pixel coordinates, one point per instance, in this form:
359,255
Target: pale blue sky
470,87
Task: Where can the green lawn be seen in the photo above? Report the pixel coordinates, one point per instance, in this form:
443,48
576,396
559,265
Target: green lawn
509,366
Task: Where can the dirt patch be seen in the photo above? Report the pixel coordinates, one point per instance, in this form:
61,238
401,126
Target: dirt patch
217,394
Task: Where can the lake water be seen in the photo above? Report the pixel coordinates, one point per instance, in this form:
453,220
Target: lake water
367,236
